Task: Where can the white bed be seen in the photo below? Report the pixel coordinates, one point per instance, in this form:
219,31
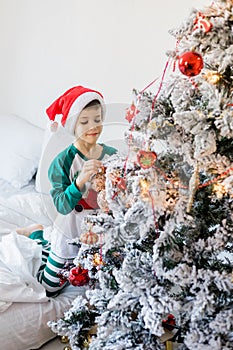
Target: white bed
23,323
26,150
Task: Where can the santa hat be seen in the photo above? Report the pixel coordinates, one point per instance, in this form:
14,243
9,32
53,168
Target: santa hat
71,104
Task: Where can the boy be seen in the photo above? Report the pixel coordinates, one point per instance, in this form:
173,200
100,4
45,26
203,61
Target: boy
82,111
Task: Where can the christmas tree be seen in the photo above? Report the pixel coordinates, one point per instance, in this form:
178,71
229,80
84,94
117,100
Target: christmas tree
158,257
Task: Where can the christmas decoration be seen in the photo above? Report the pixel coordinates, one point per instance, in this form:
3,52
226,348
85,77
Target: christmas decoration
77,98
97,260
90,334
220,190
121,183
102,202
190,63
169,323
78,276
118,180
172,196
89,238
64,273
131,112
169,345
144,189
98,180
152,125
146,159
202,23
64,339
212,77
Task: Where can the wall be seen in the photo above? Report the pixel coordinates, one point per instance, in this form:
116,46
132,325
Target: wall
47,46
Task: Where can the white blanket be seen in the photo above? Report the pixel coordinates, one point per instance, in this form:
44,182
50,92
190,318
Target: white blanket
20,257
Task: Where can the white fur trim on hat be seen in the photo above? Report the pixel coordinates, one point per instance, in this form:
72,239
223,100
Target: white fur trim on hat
78,106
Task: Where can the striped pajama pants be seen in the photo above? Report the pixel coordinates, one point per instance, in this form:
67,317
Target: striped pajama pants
50,266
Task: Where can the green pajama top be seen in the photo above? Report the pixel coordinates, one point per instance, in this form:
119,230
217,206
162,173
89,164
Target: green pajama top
62,173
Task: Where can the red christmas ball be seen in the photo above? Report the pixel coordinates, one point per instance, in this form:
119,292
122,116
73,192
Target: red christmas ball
78,276
190,63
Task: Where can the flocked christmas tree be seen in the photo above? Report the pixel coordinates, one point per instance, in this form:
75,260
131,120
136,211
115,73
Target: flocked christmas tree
160,254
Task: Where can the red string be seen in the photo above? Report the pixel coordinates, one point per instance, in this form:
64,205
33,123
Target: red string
160,87
169,179
114,195
145,88
216,179
174,62
193,83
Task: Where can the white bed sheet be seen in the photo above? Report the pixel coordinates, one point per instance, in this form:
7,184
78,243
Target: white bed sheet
7,190
24,325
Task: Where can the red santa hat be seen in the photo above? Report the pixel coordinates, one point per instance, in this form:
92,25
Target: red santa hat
71,104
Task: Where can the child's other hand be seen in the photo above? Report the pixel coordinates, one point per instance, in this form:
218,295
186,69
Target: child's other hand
90,168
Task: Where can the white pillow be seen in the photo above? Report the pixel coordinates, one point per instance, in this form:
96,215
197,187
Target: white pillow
52,145
20,149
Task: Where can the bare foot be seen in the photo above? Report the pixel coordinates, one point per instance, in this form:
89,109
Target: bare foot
26,231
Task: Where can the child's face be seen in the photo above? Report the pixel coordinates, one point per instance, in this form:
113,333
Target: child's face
89,125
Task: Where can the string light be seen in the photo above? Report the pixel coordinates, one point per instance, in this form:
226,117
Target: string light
223,174
144,188
220,190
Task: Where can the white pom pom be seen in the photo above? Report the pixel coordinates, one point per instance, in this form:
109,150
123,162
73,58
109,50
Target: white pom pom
53,126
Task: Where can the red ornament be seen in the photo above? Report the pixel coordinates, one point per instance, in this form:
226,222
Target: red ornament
131,112
146,159
169,323
118,180
78,276
202,23
121,183
190,63
89,238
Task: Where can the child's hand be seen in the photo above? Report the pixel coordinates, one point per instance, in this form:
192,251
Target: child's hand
90,168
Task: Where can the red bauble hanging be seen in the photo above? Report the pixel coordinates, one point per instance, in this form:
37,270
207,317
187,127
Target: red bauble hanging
169,323
190,63
78,276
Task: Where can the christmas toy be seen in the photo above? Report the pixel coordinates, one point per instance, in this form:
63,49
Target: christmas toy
131,112
146,159
98,180
78,276
202,23
89,238
190,63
